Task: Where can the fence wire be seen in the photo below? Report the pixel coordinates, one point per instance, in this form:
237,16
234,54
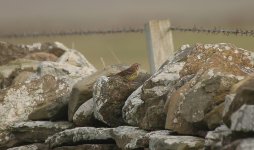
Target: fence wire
193,29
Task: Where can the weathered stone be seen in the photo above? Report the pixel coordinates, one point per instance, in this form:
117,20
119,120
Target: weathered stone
216,69
145,107
126,137
89,147
41,56
110,94
64,70
165,142
242,119
22,77
213,139
80,135
7,139
37,131
75,58
83,90
193,105
243,144
35,146
11,70
84,115
242,93
17,102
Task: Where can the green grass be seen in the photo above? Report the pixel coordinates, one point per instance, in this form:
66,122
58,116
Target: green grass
130,47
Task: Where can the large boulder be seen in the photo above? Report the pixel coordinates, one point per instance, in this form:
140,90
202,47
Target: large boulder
110,94
80,135
145,106
198,104
18,102
36,131
83,90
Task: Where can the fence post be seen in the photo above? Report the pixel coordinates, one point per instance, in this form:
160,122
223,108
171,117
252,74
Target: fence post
159,42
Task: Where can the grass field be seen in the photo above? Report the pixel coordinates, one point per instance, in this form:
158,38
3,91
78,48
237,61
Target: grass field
129,47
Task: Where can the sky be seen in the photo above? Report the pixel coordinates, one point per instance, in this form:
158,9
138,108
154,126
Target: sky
17,16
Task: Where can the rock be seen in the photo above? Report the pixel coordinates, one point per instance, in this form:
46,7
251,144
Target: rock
166,142
84,115
41,56
7,139
110,94
244,144
62,70
10,71
9,52
242,119
145,106
89,147
34,146
36,131
241,94
83,90
126,137
75,58
197,105
21,77
214,139
17,102
80,135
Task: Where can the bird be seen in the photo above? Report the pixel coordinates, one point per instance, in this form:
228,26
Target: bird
130,73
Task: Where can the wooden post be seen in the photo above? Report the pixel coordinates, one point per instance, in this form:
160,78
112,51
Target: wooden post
159,43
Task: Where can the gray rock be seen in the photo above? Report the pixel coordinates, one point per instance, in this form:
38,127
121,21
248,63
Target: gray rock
242,119
243,144
89,147
145,107
35,146
79,135
167,142
83,90
17,102
242,93
84,115
127,137
110,94
213,139
37,131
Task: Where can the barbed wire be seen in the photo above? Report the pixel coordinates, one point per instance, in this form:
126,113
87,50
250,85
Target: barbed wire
194,29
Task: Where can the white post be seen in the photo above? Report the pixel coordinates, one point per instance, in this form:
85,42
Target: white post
159,43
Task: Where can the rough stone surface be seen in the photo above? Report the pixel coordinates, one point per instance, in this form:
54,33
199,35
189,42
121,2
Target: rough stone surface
244,144
17,102
165,142
127,137
242,119
83,90
37,131
84,115
216,68
145,106
41,56
213,139
110,94
35,146
11,70
89,147
242,93
79,135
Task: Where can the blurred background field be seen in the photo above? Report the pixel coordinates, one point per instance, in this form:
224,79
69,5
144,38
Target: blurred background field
128,48
28,16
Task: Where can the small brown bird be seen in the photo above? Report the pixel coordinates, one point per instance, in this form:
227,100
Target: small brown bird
130,73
